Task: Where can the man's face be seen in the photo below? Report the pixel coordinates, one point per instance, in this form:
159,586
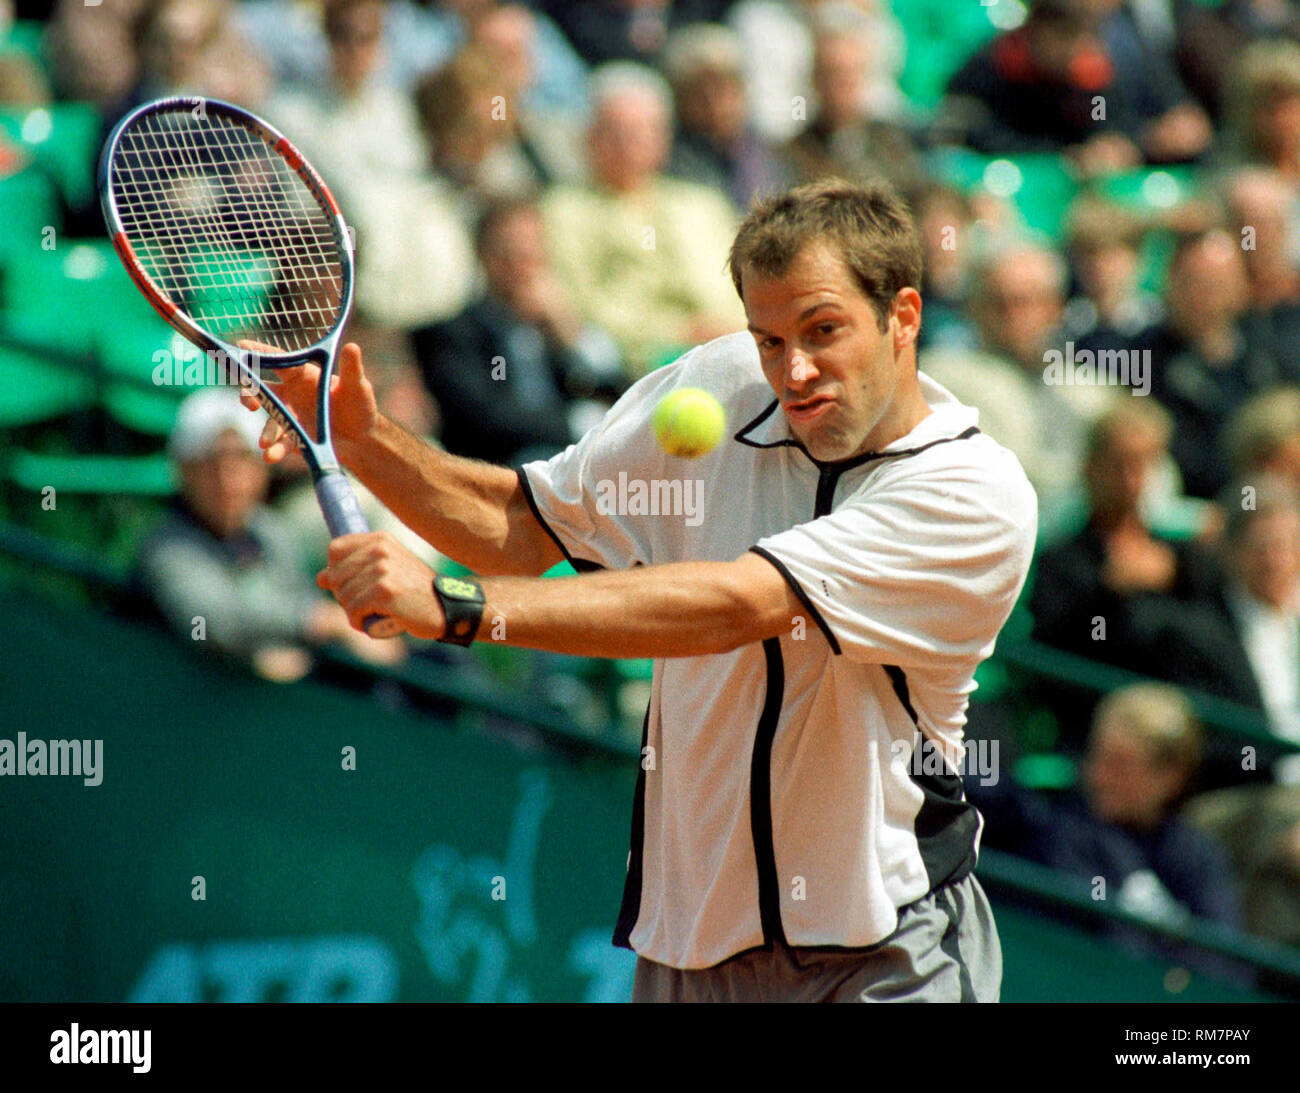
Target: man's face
1267,559
713,103
1020,308
840,77
1207,285
514,254
840,378
1119,472
225,486
355,45
1123,782
629,141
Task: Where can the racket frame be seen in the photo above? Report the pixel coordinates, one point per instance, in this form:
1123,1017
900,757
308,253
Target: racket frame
318,451
337,498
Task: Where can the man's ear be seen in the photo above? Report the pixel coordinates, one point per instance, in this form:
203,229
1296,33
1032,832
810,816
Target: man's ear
906,314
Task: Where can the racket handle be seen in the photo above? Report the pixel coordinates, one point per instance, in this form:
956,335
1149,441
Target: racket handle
338,501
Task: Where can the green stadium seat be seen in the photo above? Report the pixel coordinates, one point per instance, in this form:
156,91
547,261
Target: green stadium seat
78,297
30,206
146,411
63,140
1039,186
38,389
941,37
24,36
143,475
1149,190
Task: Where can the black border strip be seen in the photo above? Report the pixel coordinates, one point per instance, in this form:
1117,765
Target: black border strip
760,797
798,590
579,564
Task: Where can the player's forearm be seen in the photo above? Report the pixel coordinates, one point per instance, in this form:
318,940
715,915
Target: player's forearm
473,512
677,610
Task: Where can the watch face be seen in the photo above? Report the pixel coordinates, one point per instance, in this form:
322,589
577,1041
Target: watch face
461,590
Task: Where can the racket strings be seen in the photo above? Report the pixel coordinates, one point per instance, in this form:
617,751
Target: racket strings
227,229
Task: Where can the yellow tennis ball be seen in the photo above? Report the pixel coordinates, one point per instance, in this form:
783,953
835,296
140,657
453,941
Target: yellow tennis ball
689,422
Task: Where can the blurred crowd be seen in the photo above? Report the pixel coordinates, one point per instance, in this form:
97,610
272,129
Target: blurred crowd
544,195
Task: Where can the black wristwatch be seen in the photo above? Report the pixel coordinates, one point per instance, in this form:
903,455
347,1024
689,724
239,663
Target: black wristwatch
462,604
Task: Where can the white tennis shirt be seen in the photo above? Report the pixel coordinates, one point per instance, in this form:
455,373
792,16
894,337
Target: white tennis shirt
779,798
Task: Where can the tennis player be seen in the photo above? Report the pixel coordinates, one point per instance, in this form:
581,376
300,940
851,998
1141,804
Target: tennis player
799,830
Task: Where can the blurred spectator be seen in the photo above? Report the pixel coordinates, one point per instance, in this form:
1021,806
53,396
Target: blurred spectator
627,30
22,79
1204,362
547,136
221,568
845,137
1140,45
417,36
1260,826
777,48
92,52
1017,295
414,258
643,256
1122,828
1105,251
348,120
1264,211
946,221
481,139
192,47
714,145
1244,641
1211,37
513,372
1263,109
1105,592
532,54
1263,437
1048,86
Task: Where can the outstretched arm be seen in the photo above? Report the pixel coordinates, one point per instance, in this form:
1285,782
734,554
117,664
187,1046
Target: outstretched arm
675,610
473,512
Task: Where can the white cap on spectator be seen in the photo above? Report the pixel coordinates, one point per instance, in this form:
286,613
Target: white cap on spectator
204,416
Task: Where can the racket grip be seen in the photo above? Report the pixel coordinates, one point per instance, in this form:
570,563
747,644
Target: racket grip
338,501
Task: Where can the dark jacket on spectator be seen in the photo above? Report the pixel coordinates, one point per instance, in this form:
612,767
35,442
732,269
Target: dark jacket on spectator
1001,103
489,418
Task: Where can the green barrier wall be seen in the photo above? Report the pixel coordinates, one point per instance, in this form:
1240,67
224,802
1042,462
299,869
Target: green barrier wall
384,882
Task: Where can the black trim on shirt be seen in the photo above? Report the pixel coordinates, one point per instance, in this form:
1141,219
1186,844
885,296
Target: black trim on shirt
760,797
581,565
946,825
631,906
797,589
839,466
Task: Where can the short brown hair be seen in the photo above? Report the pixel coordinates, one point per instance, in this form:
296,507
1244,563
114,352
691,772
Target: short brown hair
871,225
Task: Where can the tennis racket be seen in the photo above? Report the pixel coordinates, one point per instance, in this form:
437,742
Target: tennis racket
233,237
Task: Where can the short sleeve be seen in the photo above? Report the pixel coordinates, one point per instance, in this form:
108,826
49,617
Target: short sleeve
566,491
920,571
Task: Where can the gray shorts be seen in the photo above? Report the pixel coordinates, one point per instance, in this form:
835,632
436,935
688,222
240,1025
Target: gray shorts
945,949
